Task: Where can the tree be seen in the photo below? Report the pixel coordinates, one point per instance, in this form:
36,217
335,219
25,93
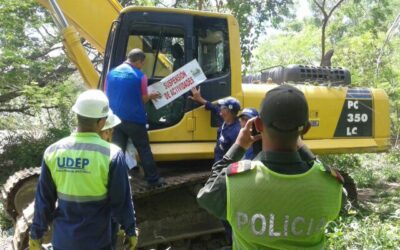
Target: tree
357,32
298,46
31,58
327,8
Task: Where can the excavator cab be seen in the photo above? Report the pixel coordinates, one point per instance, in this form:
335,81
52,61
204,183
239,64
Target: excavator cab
169,41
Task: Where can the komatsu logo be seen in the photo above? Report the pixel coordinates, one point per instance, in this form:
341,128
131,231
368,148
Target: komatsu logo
72,163
261,225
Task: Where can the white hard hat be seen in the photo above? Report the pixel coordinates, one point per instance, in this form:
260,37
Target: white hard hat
92,103
112,121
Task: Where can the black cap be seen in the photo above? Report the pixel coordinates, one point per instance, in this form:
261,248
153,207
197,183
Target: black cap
284,109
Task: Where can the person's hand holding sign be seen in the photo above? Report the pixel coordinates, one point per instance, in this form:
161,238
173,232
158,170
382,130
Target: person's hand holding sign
154,95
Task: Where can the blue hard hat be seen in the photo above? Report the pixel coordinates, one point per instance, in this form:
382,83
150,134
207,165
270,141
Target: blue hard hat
230,103
249,112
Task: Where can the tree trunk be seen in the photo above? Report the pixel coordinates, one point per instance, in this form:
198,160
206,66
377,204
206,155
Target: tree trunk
323,41
201,4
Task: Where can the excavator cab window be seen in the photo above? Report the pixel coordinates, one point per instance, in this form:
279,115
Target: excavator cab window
159,47
211,53
164,49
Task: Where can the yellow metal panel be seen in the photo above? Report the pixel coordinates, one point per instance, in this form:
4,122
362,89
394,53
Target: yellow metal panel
191,124
381,114
176,133
182,151
173,10
205,150
325,105
204,131
92,18
235,58
332,146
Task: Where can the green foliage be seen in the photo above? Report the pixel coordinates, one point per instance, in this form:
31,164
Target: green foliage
25,149
367,170
361,16
374,224
291,47
31,58
253,18
345,162
5,221
366,232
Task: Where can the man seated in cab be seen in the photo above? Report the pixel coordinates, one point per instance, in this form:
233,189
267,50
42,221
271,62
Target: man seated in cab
282,199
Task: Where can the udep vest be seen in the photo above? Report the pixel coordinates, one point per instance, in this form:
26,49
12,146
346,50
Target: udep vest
268,210
79,165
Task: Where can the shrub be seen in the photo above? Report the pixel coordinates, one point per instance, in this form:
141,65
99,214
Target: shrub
25,149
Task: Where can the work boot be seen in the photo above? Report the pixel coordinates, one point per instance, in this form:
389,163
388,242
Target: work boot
159,183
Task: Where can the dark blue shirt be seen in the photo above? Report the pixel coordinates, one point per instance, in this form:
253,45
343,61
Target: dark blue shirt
226,134
84,225
249,154
124,90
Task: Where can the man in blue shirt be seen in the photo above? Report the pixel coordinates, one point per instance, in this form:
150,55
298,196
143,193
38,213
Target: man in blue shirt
126,88
226,111
87,178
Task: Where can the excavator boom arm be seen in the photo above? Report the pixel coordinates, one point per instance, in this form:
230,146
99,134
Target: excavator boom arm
91,18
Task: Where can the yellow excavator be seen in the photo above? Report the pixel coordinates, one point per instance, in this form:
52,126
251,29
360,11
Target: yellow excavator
182,134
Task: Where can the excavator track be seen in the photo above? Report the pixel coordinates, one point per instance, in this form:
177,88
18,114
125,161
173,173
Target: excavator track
176,175
351,188
21,233
22,226
213,240
167,216
19,191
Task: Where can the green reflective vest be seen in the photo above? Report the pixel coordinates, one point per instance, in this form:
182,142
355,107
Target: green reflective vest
268,210
79,165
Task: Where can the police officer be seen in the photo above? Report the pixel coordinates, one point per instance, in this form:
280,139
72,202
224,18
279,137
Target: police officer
226,111
87,178
279,200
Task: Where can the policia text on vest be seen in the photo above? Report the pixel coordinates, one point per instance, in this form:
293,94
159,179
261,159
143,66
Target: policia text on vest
265,225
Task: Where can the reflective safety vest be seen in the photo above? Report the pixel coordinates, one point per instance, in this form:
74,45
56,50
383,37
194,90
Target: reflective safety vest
79,166
268,210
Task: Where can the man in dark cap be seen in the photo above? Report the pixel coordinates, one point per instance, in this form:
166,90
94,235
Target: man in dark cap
244,116
282,199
